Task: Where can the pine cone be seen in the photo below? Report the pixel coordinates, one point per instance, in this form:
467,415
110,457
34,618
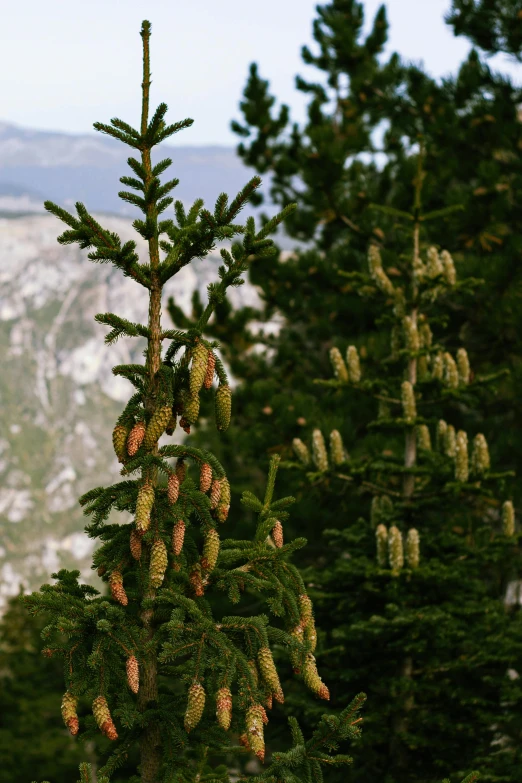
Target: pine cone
135,544
171,426
298,633
103,718
198,369
119,439
181,469
305,606
144,505
277,534
156,426
310,634
268,701
178,535
196,581
135,438
209,374
205,477
173,488
69,715
223,403
269,673
312,679
215,493
224,708
158,562
254,727
191,409
133,674
117,589
210,550
183,423
223,505
195,706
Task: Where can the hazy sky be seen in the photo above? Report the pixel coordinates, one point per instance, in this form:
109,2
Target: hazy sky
68,64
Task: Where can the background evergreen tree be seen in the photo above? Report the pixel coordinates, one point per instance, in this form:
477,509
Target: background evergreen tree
172,678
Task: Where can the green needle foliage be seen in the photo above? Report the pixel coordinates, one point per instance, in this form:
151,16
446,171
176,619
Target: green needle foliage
415,586
177,684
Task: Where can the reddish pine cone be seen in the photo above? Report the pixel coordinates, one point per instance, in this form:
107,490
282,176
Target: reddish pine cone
119,439
215,493
70,718
277,534
173,488
133,673
269,672
205,477
254,727
195,706
209,374
223,403
103,718
224,708
312,679
268,701
157,425
171,426
210,550
181,469
144,505
158,563
264,716
191,408
243,740
198,369
135,438
178,535
117,589
183,423
135,544
196,581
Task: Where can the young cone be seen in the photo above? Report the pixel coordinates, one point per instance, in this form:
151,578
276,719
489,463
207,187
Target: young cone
223,406
117,589
254,727
209,374
381,534
157,425
269,672
319,455
224,708
69,715
312,679
133,673
135,439
172,488
301,451
178,535
277,534
215,493
195,706
119,439
144,505
198,368
205,477
103,718
135,544
158,562
210,550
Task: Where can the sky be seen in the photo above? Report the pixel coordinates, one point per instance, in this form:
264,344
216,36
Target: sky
68,64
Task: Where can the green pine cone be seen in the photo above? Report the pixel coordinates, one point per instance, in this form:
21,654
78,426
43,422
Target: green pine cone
157,425
268,669
119,441
195,706
223,406
191,408
198,369
144,505
210,550
158,563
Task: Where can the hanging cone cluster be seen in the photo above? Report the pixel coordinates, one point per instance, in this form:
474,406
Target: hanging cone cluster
412,548
395,550
277,534
210,550
312,679
381,535
158,562
117,589
135,544
198,369
157,425
178,536
338,365
301,451
172,488
195,706
119,440
69,715
133,673
224,708
223,406
209,373
408,401
144,505
269,673
319,455
205,477
461,457
135,439
254,726
100,710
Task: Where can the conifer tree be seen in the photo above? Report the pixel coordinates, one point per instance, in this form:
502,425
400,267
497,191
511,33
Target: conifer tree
415,586
170,681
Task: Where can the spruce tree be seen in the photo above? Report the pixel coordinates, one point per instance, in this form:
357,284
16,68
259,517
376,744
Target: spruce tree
415,586
171,675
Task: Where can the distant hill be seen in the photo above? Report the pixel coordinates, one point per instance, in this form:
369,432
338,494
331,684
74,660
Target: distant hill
64,167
